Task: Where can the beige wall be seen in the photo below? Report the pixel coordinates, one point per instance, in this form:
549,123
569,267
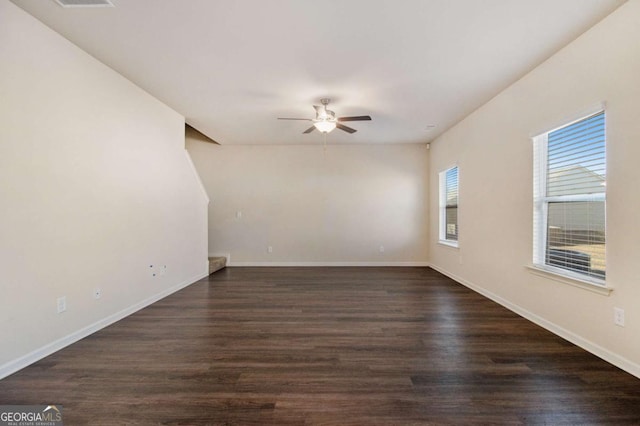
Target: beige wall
494,151
95,187
314,206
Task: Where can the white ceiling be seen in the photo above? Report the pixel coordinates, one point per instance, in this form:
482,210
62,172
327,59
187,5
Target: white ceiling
231,67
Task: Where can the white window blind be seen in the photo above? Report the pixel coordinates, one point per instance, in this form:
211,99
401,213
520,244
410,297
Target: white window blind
449,206
569,199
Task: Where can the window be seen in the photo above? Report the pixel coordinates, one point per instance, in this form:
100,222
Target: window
449,206
569,200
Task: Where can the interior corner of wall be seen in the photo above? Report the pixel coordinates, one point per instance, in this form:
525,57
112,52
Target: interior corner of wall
197,177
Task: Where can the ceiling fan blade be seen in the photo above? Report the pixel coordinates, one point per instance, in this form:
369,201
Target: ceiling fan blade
355,118
303,119
345,128
309,130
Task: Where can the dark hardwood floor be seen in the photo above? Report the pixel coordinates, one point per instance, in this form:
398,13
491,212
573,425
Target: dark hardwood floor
332,346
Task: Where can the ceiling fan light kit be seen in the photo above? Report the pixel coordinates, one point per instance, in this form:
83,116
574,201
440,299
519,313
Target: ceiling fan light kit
325,126
326,120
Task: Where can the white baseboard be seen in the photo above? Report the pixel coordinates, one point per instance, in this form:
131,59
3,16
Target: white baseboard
613,358
36,355
319,264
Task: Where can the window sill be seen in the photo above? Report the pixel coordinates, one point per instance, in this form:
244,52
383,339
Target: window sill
448,243
585,285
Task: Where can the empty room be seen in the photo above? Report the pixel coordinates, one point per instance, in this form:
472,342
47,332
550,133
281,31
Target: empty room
292,212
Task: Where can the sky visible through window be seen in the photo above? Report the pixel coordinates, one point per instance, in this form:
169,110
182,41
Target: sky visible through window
452,186
576,158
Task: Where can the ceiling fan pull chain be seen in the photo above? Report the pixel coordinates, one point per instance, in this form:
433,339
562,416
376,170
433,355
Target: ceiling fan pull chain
324,146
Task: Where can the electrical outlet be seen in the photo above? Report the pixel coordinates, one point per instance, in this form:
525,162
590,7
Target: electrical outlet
97,293
163,270
62,304
381,249
238,214
618,316
270,249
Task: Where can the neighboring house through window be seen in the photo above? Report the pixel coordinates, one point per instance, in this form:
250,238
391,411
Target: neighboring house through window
569,200
449,207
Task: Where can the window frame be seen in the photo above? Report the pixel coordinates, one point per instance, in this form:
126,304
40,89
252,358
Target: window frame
541,202
442,208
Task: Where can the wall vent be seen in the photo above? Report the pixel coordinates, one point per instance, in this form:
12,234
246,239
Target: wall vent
85,3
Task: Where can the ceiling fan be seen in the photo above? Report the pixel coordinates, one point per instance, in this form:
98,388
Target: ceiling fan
326,120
